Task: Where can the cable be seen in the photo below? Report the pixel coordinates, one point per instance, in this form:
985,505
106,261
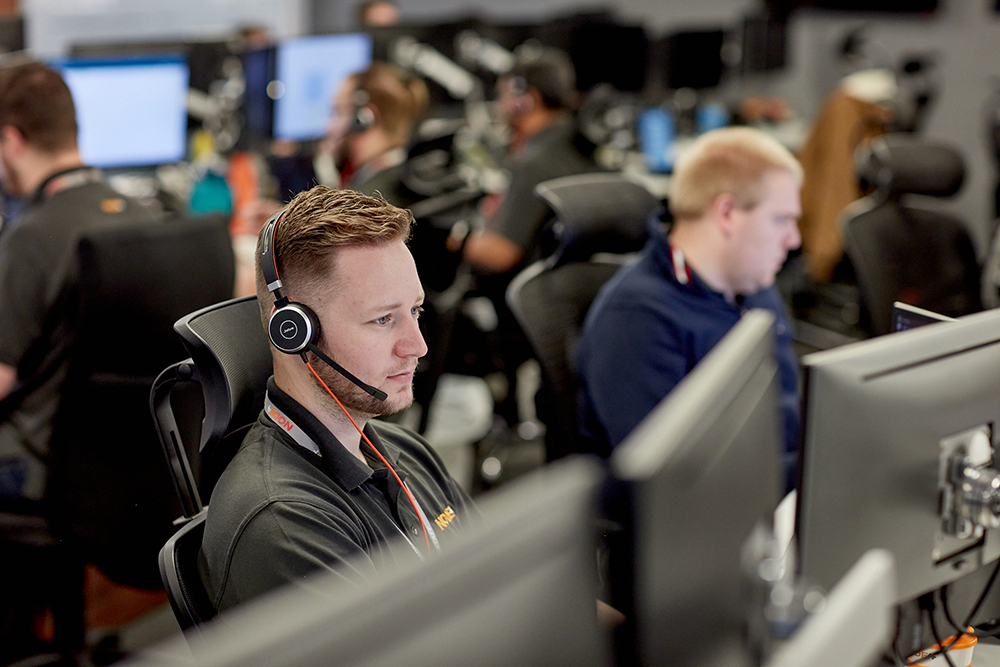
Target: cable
413,503
947,612
926,603
975,608
942,649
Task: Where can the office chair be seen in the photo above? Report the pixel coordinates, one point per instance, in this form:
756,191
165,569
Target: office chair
107,488
230,362
179,569
600,218
901,252
108,500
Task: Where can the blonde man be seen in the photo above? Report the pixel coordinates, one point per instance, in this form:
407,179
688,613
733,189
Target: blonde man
735,202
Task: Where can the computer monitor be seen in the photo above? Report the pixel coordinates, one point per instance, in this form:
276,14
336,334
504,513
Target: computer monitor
131,111
205,58
694,59
906,317
258,106
699,475
763,43
855,624
882,418
519,589
308,74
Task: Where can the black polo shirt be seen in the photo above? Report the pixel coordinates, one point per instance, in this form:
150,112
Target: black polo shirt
281,511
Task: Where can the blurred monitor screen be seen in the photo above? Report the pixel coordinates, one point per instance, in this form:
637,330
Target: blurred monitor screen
258,107
130,111
905,316
308,72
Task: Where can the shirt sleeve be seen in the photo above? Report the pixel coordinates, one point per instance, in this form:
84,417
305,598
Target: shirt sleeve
287,541
522,213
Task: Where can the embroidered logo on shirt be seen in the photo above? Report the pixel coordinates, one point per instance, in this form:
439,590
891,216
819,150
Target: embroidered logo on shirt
113,205
445,518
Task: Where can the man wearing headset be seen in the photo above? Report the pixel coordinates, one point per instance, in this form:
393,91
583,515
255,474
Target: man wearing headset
319,483
375,114
375,111
536,100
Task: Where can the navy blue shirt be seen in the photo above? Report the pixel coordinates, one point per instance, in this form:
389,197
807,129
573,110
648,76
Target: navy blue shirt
647,329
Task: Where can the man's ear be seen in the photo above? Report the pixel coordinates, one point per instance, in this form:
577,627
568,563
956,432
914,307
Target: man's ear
723,212
11,136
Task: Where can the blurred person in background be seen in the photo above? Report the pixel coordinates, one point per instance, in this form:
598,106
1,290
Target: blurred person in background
377,13
63,198
735,203
536,99
375,113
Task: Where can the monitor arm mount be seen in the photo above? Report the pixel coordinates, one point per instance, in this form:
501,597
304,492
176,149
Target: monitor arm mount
970,487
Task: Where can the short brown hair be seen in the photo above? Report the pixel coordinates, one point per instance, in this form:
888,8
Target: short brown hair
316,223
731,160
35,100
549,71
400,97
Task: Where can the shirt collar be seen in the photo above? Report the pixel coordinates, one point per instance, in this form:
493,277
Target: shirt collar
390,158
672,264
340,465
66,179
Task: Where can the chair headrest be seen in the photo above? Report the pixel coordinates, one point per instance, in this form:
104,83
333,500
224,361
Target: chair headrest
597,212
897,164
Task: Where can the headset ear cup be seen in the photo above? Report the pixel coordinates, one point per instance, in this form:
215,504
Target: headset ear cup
292,328
363,119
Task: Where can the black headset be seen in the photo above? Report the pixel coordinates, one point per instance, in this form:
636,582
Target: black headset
293,328
362,116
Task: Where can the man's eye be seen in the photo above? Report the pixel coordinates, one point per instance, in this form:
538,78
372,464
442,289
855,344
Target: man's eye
416,310
382,320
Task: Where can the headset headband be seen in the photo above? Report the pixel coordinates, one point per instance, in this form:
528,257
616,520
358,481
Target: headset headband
268,257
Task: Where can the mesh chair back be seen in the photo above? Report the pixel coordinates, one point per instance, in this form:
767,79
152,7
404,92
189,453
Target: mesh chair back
900,252
597,212
551,305
228,346
601,214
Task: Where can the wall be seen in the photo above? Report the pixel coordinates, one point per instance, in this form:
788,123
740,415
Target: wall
52,26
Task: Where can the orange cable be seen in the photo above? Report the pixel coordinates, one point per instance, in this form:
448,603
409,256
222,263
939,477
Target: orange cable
378,454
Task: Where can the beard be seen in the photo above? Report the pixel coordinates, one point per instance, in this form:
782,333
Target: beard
354,399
